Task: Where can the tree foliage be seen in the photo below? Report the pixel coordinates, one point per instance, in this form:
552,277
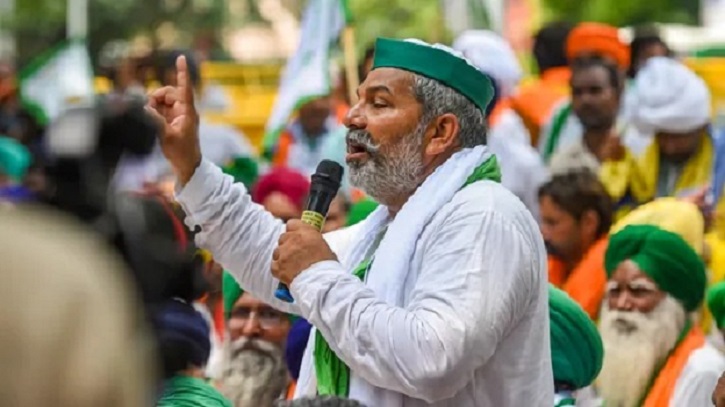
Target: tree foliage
111,20
624,12
398,18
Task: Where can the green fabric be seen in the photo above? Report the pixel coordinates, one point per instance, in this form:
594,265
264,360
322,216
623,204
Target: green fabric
185,391
716,303
556,128
333,376
14,158
577,352
231,291
665,257
244,170
360,210
437,64
566,402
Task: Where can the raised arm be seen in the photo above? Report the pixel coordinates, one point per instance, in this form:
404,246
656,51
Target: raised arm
239,233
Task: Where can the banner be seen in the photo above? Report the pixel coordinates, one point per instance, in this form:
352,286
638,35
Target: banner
57,80
307,74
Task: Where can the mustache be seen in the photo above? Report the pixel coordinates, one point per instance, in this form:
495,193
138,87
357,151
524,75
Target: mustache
362,139
258,346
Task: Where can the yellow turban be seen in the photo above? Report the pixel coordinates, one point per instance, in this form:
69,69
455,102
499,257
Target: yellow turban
673,215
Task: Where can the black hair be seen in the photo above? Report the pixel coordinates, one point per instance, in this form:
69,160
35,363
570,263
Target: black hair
644,38
579,191
582,64
550,45
369,53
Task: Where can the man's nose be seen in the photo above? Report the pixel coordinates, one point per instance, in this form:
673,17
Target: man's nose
624,302
251,328
354,119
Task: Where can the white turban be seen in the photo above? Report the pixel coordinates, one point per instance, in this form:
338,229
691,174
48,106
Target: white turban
669,97
493,56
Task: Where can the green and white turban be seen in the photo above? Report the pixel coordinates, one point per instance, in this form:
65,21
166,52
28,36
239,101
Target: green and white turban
437,62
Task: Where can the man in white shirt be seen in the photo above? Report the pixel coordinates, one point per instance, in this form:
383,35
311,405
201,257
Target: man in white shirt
452,306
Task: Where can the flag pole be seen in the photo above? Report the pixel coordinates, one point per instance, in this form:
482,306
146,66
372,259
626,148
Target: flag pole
351,72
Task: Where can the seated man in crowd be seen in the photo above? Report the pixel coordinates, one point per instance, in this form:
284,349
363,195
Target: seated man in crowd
522,170
304,143
283,192
256,373
596,88
673,104
654,354
576,348
184,347
585,41
576,214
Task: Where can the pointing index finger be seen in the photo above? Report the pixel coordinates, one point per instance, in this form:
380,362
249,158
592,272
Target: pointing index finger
183,81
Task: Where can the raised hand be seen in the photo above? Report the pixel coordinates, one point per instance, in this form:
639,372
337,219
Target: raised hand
173,109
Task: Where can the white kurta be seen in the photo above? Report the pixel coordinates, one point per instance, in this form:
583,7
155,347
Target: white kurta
474,330
522,169
698,378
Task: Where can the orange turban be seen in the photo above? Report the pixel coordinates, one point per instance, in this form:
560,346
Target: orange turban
596,38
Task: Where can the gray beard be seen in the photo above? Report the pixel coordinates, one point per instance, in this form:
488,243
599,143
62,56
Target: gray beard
387,176
634,346
255,373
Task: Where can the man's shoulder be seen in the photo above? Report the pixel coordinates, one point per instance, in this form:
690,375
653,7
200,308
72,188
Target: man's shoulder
492,201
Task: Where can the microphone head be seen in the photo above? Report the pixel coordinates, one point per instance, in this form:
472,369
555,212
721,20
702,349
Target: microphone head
329,172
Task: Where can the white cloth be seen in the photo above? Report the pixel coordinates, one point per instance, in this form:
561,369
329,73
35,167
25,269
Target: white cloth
221,144
669,97
575,156
698,378
472,329
522,169
492,55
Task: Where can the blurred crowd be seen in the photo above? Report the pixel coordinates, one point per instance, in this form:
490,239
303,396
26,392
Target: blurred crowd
609,138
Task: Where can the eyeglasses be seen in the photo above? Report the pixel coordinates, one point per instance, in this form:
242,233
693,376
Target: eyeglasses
267,317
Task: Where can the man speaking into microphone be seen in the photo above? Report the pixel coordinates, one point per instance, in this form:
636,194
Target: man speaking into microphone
440,296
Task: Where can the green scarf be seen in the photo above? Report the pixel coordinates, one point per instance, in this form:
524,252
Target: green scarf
187,391
333,375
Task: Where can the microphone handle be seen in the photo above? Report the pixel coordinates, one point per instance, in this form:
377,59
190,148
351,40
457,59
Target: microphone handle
311,218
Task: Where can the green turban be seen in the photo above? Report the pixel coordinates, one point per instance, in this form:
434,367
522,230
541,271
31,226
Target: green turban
14,158
360,210
716,303
231,292
576,347
244,170
665,257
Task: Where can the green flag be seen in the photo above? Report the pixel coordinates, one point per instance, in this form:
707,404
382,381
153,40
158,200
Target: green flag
307,74
59,79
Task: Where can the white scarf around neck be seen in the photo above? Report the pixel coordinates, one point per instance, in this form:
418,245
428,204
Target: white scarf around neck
388,273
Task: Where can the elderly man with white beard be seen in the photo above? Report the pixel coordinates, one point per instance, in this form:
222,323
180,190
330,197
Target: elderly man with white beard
438,298
654,355
255,372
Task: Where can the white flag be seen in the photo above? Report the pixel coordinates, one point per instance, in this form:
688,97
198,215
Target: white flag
58,80
307,74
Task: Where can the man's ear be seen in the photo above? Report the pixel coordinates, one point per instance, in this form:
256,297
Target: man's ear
589,222
442,134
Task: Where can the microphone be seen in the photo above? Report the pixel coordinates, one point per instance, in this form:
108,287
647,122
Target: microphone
323,189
